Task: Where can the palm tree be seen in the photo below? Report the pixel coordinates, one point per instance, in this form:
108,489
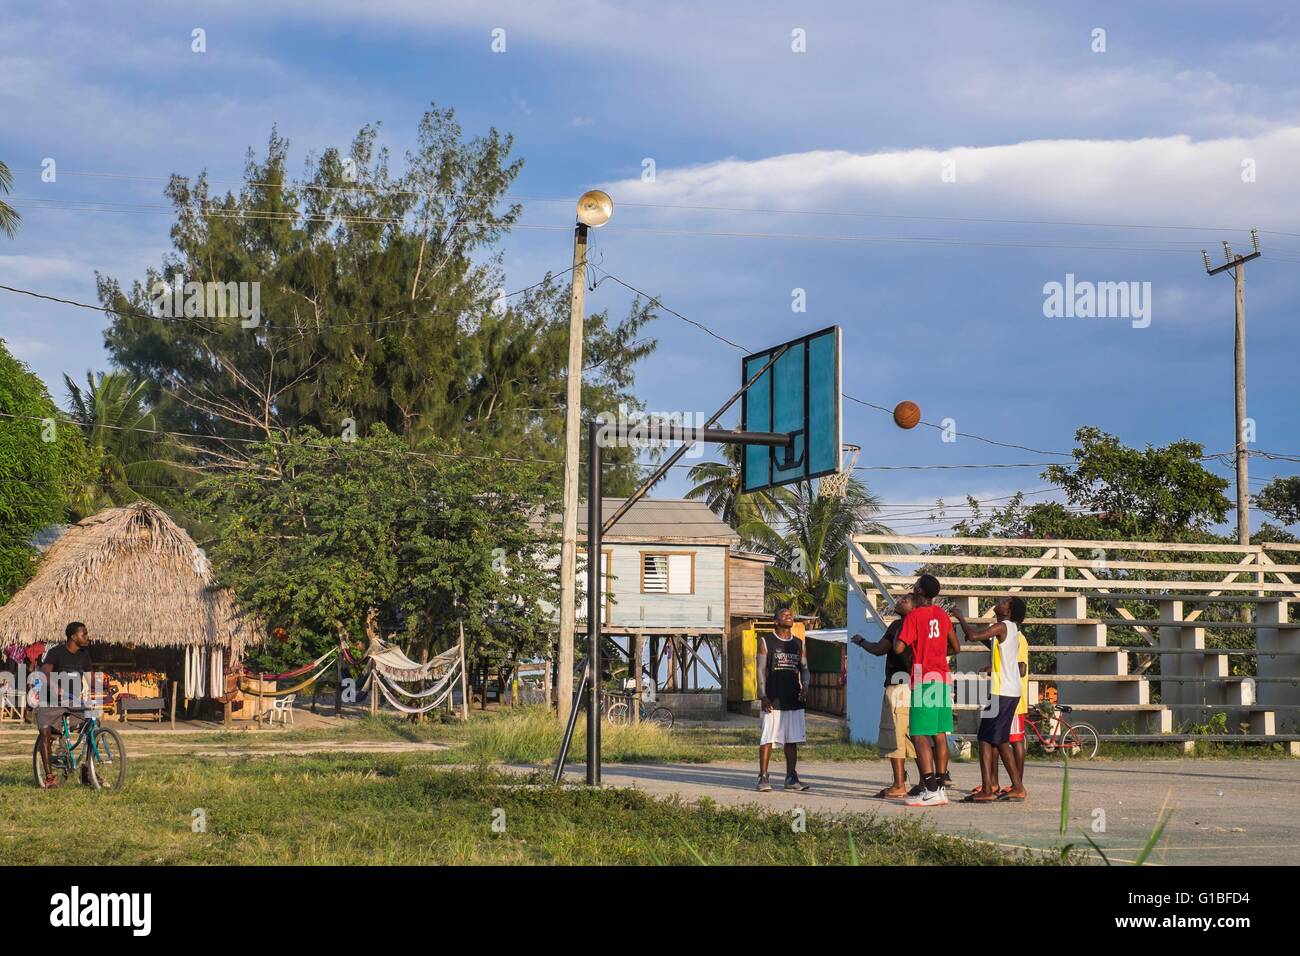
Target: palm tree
9,216
718,483
811,548
119,422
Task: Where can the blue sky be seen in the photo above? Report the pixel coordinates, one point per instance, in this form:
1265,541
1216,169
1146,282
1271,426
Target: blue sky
940,296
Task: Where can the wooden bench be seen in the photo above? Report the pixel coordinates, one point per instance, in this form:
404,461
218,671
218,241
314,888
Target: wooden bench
140,708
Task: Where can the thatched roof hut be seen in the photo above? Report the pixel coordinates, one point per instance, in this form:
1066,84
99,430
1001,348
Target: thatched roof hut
136,579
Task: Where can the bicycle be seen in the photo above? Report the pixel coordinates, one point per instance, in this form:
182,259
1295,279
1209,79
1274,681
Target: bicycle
102,755
619,711
1078,740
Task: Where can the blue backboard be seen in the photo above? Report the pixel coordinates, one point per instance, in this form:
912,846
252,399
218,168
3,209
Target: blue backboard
800,394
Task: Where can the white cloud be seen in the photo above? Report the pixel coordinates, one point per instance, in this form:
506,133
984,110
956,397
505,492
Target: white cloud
1166,180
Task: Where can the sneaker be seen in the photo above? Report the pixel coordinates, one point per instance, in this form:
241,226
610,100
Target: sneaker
916,790
763,784
51,781
928,798
792,782
946,782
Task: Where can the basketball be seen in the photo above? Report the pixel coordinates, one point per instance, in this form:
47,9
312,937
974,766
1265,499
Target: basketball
907,414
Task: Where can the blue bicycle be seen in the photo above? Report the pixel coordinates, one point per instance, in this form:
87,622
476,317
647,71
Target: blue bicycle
97,751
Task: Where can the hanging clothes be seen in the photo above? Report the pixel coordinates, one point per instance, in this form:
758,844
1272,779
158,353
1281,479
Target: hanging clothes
187,674
217,679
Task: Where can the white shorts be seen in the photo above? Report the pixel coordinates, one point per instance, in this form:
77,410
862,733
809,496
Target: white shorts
782,727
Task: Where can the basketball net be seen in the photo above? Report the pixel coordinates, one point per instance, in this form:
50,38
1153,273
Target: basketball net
834,485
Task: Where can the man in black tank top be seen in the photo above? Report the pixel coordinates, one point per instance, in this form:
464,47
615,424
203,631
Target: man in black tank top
783,680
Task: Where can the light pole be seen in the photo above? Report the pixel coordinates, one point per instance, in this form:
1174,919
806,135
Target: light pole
594,210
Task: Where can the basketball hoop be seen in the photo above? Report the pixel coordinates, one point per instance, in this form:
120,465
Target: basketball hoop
834,485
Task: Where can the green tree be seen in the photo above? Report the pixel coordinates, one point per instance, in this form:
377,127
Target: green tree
44,466
322,530
380,303
9,216
718,484
810,543
133,461
1114,492
1281,499
1162,494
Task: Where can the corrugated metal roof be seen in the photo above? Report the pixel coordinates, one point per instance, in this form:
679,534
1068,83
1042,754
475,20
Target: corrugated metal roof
663,519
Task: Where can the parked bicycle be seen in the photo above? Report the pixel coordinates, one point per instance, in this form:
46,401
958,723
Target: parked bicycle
1055,733
97,751
618,710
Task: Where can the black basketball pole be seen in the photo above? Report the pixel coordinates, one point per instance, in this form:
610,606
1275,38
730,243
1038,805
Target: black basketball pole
558,775
596,528
594,602
662,470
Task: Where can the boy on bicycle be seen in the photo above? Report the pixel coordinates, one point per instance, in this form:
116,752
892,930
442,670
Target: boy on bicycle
63,667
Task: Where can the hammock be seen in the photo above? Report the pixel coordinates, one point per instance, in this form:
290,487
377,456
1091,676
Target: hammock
286,690
389,660
377,678
435,689
297,671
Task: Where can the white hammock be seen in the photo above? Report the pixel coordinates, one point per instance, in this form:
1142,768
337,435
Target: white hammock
430,692
445,686
389,660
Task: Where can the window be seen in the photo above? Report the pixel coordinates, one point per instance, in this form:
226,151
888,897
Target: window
667,572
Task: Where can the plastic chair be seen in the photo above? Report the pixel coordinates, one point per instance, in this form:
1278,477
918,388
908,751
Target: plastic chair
281,709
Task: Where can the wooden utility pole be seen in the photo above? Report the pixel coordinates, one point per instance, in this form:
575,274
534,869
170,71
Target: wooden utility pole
594,210
1238,266
572,435
635,651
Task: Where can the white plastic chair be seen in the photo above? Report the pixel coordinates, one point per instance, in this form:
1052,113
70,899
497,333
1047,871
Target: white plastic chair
281,709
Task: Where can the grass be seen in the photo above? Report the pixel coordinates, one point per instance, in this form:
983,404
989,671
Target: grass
531,735
358,809
528,735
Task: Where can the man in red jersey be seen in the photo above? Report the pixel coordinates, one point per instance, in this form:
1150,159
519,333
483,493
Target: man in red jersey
928,633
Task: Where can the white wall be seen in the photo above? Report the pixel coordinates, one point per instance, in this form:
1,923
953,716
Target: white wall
865,689
707,607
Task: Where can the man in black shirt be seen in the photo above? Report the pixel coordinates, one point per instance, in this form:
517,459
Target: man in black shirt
783,680
894,740
63,667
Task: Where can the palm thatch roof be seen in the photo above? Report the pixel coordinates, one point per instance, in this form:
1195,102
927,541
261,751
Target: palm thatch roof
136,579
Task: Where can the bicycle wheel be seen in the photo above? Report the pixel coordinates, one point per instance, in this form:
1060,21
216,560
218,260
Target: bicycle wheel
106,758
1080,741
617,713
661,716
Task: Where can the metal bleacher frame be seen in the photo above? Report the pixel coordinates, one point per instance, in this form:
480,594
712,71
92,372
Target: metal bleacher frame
1089,585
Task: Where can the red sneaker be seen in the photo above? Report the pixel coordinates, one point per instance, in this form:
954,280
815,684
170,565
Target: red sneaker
51,781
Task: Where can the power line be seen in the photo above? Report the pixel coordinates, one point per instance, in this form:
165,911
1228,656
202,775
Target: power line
658,303
699,207
550,277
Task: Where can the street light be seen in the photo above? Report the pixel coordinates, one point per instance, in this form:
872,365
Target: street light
594,210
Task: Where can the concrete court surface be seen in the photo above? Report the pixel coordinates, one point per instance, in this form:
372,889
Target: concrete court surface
1225,812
